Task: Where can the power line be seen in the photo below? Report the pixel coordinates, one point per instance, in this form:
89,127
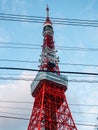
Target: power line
12,113
83,81
59,47
29,69
84,113
82,124
32,79
16,108
11,47
35,62
90,105
68,75
84,121
74,64
14,117
92,21
20,44
14,74
63,48
11,60
20,102
22,108
37,19
29,102
31,109
22,114
11,117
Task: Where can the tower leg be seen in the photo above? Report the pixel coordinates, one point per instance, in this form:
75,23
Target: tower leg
51,111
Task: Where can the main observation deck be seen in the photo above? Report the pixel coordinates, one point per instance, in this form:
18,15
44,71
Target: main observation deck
59,80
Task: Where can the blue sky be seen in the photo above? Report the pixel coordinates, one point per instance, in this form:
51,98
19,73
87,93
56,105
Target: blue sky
64,35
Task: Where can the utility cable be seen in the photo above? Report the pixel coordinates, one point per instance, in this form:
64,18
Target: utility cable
57,46
20,44
14,117
74,112
16,108
42,17
39,48
21,114
29,69
11,113
13,47
32,79
35,62
36,19
30,75
11,60
31,102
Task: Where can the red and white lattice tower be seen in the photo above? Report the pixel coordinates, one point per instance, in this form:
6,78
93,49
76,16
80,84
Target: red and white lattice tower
50,110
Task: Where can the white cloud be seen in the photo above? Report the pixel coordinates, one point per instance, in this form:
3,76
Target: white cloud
16,91
87,94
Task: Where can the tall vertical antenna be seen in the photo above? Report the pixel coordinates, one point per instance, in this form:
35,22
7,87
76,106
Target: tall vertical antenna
47,10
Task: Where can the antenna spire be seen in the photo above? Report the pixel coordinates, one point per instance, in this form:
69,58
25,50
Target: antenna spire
47,17
47,10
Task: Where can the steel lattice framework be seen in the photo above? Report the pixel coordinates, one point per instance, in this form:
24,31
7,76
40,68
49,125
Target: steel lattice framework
50,110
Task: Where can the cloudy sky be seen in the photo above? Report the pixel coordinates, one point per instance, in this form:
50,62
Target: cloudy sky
21,41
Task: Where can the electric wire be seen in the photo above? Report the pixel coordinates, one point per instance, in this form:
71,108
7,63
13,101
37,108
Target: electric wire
14,117
58,47
6,112
62,48
31,102
31,109
37,19
19,102
87,113
30,75
36,70
16,108
14,60
19,44
14,113
74,112
32,79
35,62
11,47
22,114
92,21
79,121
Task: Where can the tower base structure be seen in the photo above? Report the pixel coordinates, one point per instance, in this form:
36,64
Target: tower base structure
50,110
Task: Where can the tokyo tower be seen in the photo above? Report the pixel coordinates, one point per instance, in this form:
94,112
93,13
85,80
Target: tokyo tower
50,110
